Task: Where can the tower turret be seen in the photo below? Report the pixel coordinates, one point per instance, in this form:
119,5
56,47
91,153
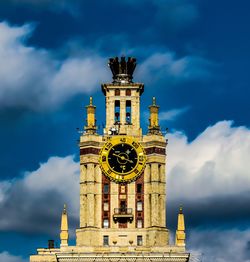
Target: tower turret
180,232
91,121
154,127
122,99
64,235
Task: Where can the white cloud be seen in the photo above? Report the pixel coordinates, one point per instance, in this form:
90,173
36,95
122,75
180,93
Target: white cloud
216,163
172,114
166,66
32,78
6,257
39,197
169,115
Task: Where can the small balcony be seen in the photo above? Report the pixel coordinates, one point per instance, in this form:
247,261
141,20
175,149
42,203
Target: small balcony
123,215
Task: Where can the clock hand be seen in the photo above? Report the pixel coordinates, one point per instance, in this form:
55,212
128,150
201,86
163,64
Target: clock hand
123,158
117,156
130,161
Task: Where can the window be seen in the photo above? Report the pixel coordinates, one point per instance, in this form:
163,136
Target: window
128,112
139,206
139,240
106,188
117,111
105,223
139,223
123,189
139,188
106,206
117,92
105,240
128,92
123,206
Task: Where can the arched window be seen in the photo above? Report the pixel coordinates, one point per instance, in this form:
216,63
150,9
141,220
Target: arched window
128,112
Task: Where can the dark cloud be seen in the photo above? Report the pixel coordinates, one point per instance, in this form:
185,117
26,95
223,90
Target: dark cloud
219,245
212,212
247,250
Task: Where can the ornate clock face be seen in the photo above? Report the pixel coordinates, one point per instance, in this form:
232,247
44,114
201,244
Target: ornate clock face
122,159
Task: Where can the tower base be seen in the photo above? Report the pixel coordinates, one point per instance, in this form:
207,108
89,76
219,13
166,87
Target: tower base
112,254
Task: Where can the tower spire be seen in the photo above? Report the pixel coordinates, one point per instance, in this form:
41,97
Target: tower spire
64,235
154,127
180,237
91,121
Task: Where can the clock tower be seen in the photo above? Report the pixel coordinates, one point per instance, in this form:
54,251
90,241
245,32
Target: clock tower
122,182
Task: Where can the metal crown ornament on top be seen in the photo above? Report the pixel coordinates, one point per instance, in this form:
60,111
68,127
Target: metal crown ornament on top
122,70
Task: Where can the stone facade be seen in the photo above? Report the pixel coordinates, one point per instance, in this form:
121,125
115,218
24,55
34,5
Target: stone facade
121,222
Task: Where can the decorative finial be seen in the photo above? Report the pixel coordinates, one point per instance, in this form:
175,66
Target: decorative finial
154,101
64,209
180,209
91,101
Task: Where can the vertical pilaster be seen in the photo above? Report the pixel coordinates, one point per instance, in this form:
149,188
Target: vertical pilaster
131,201
114,202
135,110
155,194
110,111
162,195
123,111
83,195
90,195
147,199
98,196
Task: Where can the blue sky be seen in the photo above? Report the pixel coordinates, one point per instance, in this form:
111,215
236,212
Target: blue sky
192,55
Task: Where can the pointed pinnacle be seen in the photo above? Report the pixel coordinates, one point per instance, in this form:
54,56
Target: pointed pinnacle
64,209
154,101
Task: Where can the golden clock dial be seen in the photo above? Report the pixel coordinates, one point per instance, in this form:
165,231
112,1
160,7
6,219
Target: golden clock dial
122,159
